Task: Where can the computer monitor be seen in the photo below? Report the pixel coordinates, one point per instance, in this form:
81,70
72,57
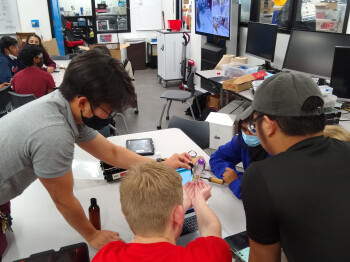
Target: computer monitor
340,77
312,52
213,18
261,41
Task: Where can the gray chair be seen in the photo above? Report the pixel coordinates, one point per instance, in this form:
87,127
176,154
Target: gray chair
198,131
5,100
181,96
18,100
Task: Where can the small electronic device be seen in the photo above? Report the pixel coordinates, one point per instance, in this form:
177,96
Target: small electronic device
112,173
239,245
143,146
77,252
186,175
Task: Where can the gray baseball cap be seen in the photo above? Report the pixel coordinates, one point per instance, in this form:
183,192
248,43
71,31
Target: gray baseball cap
284,95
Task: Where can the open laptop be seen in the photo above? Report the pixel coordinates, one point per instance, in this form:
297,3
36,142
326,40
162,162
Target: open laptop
190,227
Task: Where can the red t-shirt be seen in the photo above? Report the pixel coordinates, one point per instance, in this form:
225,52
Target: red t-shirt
32,80
203,249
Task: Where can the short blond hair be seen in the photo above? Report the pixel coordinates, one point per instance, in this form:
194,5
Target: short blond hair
336,132
148,194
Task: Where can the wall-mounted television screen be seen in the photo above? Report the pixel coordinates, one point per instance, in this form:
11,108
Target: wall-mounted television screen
213,18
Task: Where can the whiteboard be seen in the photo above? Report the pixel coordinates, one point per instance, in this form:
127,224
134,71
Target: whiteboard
9,20
149,14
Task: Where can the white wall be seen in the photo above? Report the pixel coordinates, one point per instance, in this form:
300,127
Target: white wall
35,10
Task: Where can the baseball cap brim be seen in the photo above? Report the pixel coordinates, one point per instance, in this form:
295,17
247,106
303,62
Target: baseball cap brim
247,113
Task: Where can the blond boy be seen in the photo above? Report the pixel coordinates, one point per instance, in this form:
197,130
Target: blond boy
154,202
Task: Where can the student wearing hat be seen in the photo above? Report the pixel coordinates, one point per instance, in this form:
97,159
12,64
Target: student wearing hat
299,198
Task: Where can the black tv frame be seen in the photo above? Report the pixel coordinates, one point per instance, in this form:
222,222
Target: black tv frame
213,35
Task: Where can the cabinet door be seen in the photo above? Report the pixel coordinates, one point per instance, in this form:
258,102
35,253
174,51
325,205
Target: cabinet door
173,55
161,55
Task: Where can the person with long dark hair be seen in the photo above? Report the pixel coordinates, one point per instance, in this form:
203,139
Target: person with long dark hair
245,148
50,65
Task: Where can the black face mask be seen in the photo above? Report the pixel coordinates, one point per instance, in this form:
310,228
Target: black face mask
95,122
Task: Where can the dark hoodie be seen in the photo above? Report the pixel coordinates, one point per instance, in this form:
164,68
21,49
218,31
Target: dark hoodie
9,67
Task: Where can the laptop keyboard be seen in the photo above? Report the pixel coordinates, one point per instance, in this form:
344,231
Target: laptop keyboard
190,225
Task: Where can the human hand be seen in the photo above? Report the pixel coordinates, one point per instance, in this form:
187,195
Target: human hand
4,84
50,69
188,193
178,160
201,191
229,175
103,237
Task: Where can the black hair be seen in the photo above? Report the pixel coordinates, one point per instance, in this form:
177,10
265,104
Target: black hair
303,125
6,42
256,153
101,79
28,52
103,50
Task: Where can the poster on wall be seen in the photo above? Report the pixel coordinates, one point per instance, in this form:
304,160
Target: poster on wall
105,38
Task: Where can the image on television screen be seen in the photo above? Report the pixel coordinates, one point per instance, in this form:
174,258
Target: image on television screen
213,17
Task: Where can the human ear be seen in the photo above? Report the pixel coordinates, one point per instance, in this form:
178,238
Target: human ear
269,126
82,103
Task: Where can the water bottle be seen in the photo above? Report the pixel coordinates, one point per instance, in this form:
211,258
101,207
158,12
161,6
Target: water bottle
198,168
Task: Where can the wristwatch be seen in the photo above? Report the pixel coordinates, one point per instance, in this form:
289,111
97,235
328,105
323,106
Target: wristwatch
159,159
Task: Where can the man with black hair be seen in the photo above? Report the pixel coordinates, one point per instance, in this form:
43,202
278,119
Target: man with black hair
299,198
32,80
37,140
9,64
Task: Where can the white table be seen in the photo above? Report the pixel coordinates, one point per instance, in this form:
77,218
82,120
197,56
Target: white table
38,226
58,76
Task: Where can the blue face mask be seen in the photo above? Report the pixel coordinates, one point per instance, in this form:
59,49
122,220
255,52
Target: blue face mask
251,141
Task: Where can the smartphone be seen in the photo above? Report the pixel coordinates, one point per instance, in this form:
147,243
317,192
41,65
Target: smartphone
186,175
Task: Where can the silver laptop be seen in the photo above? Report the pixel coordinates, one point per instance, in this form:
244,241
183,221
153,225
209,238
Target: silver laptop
189,229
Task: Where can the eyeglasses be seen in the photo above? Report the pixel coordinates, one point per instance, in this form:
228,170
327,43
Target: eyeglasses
251,125
110,115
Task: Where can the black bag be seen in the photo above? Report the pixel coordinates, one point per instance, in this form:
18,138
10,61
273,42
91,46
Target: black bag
202,100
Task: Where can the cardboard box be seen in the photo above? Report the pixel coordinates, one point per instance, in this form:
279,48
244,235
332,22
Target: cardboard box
113,48
51,47
243,82
329,5
213,101
221,129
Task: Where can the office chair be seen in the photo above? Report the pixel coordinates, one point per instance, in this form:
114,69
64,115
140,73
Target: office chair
181,96
5,100
18,100
198,131
70,40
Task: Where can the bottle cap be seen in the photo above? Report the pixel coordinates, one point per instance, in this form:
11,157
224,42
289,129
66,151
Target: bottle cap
200,161
93,201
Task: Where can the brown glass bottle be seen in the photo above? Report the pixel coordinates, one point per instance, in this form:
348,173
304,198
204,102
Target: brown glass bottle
94,214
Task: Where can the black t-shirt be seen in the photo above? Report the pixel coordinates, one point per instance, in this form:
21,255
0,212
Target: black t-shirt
301,198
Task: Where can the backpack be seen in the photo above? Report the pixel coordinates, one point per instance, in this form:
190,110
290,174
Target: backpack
202,100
